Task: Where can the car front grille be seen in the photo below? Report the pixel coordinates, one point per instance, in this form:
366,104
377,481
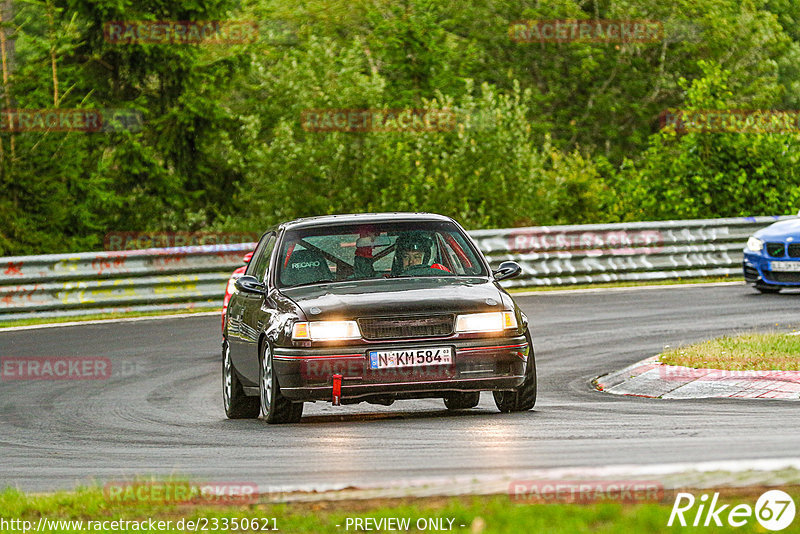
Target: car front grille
406,327
775,250
794,250
783,277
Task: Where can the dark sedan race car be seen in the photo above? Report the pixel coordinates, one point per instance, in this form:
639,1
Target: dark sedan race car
372,308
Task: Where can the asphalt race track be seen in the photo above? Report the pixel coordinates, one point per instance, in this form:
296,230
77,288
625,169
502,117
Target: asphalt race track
160,413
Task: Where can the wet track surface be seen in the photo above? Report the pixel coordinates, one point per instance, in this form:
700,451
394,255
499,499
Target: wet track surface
160,413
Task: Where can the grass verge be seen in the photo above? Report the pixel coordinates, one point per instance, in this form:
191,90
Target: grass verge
473,514
746,352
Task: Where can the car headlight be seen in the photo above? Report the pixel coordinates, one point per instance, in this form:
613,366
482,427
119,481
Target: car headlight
326,330
754,244
486,322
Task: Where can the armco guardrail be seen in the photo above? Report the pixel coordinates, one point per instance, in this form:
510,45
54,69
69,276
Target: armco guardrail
103,282
187,277
586,254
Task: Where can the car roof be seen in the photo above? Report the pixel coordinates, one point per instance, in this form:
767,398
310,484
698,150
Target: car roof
365,218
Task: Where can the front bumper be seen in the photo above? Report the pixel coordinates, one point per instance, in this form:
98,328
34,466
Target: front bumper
756,268
478,364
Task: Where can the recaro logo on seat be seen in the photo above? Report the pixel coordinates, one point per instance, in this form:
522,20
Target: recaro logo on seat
304,264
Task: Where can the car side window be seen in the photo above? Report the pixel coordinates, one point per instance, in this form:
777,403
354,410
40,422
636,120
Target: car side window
452,257
260,262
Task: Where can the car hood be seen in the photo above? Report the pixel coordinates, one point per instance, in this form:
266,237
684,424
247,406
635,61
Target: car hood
780,230
399,296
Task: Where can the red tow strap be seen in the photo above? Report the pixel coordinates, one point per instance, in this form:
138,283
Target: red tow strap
337,390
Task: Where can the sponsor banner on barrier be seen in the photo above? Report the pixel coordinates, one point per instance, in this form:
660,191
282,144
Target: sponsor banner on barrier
586,31
585,491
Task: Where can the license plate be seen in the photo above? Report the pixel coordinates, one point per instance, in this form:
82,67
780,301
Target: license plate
785,266
387,359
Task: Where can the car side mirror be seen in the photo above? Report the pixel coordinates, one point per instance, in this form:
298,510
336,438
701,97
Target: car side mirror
249,284
507,269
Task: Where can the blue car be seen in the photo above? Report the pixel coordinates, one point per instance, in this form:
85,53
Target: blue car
772,257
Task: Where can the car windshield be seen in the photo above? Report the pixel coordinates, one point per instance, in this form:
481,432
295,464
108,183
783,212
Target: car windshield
376,251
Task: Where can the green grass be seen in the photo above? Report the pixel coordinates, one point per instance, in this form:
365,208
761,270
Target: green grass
746,352
631,283
101,316
485,514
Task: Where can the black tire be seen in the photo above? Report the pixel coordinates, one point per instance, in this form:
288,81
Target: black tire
462,401
274,406
523,397
237,405
766,288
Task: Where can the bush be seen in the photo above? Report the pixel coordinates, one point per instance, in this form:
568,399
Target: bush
706,175
487,172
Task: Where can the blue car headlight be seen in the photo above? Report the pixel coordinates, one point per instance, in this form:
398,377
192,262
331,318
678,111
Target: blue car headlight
754,244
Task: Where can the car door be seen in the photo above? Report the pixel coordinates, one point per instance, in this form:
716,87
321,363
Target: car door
244,314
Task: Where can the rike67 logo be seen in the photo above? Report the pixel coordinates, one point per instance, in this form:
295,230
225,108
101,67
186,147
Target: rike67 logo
774,510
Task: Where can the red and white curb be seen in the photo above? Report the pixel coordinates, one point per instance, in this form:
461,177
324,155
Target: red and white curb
651,378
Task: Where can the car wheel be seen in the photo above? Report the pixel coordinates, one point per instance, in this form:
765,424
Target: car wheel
462,401
237,404
523,397
274,406
766,288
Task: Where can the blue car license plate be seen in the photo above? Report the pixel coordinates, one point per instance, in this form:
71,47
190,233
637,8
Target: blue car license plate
785,266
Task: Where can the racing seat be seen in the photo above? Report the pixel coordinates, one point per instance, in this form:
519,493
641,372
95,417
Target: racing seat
363,268
305,267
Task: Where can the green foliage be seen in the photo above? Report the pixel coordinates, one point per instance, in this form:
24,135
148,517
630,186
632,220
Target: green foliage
704,175
549,133
65,190
488,171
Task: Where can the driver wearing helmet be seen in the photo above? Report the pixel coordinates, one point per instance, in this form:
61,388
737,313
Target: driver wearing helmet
412,249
